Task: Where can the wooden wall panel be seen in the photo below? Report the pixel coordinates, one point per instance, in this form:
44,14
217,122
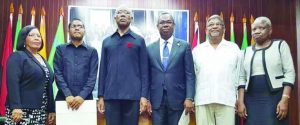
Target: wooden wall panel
281,13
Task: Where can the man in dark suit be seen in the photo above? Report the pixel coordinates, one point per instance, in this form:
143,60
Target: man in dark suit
123,80
172,76
75,67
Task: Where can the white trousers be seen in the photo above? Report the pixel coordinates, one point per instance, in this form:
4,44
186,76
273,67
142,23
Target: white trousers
215,114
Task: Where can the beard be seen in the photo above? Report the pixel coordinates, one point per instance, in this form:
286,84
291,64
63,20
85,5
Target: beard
75,38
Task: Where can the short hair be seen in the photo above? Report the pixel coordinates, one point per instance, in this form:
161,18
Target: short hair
264,20
74,19
123,7
165,13
215,17
22,38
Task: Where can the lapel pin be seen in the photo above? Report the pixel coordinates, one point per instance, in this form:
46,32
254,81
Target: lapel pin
178,44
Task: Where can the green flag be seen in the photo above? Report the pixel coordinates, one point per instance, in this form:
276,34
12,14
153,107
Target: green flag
18,29
232,37
58,39
245,39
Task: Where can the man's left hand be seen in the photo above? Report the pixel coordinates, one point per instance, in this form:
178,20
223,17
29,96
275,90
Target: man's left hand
78,101
189,106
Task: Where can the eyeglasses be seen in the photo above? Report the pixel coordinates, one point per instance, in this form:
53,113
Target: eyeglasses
77,26
32,35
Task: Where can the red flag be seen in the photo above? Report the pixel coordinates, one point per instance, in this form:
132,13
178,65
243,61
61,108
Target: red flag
7,50
196,33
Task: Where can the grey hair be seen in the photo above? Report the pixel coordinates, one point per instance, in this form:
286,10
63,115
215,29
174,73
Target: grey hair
215,17
264,20
165,13
123,7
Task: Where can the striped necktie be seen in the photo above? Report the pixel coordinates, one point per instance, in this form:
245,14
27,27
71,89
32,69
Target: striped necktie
166,54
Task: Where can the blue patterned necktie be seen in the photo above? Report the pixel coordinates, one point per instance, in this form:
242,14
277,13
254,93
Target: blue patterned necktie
166,54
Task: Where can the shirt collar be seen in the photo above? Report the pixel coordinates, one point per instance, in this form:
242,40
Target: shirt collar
170,40
129,32
222,43
83,44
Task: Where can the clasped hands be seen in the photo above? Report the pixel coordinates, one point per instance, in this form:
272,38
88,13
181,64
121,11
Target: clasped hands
74,102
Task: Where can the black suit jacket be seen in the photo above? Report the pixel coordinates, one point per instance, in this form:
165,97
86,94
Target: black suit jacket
25,82
179,77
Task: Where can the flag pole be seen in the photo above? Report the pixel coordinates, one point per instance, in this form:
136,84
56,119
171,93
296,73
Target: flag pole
245,38
195,41
18,27
251,21
32,16
206,36
43,51
232,36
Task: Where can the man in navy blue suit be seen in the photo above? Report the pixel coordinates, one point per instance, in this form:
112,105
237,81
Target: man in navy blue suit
172,76
123,80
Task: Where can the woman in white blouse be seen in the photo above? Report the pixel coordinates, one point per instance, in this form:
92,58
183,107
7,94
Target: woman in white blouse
266,78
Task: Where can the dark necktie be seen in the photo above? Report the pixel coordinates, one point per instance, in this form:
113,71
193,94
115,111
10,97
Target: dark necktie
166,54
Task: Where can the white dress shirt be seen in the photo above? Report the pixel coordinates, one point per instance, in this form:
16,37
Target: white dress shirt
162,45
257,67
216,73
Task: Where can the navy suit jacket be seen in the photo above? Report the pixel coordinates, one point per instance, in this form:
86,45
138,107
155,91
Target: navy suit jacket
179,77
26,81
123,67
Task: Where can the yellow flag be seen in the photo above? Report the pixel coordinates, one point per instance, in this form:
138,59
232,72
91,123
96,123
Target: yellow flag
251,21
43,51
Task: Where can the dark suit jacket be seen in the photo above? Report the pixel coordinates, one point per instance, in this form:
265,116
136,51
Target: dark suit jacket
179,77
26,81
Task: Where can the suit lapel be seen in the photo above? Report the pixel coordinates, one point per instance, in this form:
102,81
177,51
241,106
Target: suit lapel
35,60
175,47
156,52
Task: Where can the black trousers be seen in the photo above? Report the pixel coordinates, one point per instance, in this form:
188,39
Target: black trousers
122,112
165,115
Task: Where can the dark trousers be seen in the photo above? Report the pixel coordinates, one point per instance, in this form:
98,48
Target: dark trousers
122,112
164,115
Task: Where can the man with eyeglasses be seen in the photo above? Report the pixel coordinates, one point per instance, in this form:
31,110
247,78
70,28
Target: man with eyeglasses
75,67
216,64
123,80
